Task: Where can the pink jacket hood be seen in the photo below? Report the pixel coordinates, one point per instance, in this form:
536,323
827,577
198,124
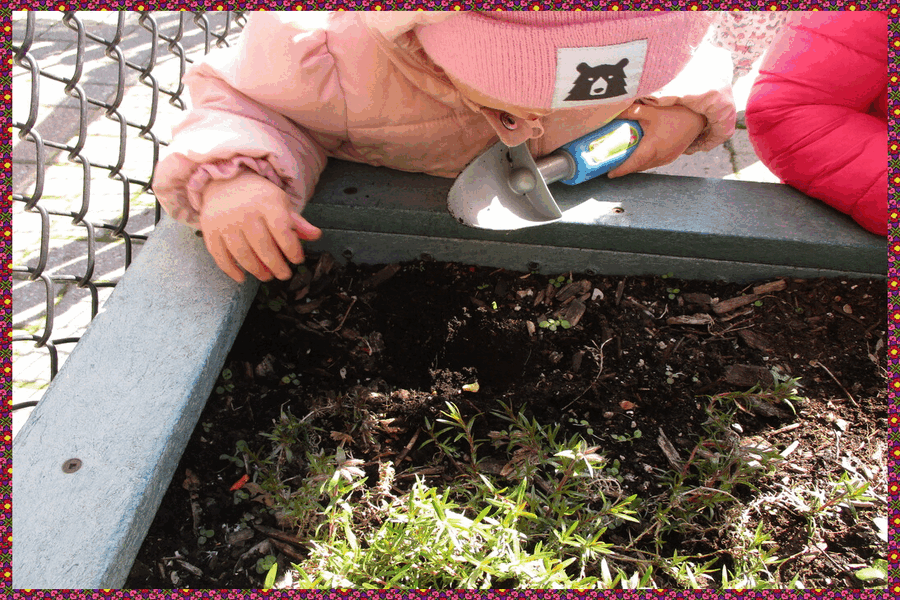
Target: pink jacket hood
358,86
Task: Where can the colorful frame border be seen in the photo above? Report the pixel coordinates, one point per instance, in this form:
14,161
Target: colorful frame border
893,299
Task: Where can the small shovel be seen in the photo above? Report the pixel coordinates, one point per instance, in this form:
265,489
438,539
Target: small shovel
505,188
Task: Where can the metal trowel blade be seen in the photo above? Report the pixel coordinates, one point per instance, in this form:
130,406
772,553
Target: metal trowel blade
482,197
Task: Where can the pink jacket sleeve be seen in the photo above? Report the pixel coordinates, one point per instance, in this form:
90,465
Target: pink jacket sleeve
704,86
236,123
815,113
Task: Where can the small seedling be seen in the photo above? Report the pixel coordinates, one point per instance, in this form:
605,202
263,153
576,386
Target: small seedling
237,459
483,286
559,281
673,292
265,564
613,469
671,375
628,437
553,324
588,429
205,535
266,301
226,385
290,378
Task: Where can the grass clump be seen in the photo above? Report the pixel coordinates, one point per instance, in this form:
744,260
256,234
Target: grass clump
533,507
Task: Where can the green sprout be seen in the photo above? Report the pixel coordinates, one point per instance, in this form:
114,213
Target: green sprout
205,535
628,438
553,324
559,281
226,385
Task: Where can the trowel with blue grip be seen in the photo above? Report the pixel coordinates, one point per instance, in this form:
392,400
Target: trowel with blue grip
505,188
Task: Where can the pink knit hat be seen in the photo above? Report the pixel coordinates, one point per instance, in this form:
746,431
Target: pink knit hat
561,59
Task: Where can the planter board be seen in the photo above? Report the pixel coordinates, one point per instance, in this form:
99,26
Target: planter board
127,399
689,227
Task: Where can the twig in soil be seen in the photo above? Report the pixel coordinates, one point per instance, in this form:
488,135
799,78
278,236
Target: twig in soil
790,427
344,318
287,550
669,451
190,568
837,447
851,398
426,471
620,289
264,547
407,448
277,534
707,489
594,382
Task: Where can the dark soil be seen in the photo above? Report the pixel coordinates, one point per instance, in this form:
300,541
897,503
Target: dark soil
416,333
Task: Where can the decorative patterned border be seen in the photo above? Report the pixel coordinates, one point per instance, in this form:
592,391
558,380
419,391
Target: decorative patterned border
892,6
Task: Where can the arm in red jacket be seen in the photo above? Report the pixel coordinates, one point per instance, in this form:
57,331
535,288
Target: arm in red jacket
817,114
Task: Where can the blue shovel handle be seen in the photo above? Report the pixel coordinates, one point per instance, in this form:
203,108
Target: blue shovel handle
603,150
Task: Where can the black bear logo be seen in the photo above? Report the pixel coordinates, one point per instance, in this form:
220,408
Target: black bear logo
603,81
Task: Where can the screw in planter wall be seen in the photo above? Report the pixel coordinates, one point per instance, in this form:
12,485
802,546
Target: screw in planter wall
71,465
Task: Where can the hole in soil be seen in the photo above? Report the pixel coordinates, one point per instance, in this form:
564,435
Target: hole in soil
480,344
350,190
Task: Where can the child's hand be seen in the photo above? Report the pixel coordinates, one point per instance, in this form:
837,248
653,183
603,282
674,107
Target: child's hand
247,222
668,131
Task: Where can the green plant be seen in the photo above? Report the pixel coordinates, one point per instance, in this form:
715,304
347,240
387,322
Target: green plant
673,292
290,378
875,574
458,429
558,282
553,515
264,296
204,535
270,577
554,324
225,385
628,437
237,459
785,391
266,564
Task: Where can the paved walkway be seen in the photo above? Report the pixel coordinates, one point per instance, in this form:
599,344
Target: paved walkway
55,49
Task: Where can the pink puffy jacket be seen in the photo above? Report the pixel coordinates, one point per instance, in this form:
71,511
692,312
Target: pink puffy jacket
358,86
817,114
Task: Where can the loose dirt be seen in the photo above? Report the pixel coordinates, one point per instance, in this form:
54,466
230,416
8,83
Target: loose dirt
607,355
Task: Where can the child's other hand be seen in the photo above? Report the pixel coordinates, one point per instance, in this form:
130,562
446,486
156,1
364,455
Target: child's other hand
668,131
247,222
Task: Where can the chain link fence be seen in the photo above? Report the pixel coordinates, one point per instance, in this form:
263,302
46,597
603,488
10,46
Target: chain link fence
95,95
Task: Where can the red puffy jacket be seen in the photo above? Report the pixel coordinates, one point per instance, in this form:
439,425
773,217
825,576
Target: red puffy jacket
817,114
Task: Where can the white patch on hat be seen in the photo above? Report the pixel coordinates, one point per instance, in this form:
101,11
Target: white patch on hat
598,75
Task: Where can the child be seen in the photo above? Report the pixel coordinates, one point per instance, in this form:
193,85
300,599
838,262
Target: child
817,114
425,92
